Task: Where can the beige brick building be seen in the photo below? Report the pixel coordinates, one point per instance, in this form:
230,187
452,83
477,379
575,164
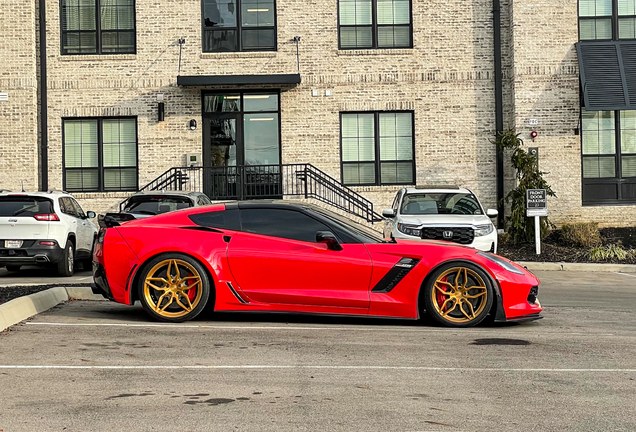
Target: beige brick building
391,91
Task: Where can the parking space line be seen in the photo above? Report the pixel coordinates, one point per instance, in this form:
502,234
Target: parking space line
626,274
373,329
314,367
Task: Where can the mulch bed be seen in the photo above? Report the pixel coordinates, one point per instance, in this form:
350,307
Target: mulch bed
553,250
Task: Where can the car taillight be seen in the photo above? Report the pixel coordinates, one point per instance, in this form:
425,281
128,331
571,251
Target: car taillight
47,217
47,243
101,235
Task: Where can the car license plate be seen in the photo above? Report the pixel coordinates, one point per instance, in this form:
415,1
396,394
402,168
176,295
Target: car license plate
13,244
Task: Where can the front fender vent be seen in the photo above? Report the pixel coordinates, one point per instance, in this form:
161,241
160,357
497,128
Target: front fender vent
395,275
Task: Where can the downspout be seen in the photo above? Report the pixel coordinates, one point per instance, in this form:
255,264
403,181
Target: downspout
496,16
44,140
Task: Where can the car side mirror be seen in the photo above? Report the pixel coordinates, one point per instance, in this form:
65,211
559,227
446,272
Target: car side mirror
330,239
90,214
492,213
388,213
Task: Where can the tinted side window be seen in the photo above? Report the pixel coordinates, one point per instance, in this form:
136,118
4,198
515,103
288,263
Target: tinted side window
78,208
67,207
228,219
396,201
287,224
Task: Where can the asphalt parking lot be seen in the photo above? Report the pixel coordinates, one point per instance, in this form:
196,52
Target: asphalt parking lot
99,366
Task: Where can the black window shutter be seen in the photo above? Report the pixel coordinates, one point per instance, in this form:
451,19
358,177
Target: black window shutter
602,76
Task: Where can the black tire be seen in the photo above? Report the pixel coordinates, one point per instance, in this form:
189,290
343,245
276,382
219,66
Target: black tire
13,268
179,307
66,266
449,286
87,264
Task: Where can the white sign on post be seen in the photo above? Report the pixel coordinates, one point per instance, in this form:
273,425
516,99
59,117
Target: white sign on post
537,206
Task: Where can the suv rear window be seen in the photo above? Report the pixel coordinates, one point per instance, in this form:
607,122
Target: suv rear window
156,204
24,206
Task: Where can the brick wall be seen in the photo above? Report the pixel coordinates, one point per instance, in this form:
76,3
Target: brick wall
18,115
446,79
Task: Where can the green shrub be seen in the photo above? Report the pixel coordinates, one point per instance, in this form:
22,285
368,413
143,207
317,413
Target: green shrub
583,234
602,253
518,226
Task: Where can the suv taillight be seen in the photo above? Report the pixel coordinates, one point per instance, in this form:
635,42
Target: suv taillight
47,217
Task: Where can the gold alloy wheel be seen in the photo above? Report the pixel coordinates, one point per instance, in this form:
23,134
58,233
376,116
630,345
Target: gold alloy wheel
459,295
168,288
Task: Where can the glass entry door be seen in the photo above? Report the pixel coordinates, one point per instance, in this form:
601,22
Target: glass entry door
241,145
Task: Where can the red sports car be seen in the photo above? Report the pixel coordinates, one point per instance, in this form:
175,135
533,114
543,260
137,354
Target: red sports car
285,256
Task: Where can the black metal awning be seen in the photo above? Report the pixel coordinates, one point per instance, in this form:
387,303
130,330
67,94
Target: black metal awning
237,80
608,75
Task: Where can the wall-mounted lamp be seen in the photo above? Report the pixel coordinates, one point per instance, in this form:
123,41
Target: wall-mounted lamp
533,135
577,128
161,110
193,124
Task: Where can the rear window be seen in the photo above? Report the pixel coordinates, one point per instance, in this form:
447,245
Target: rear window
156,204
223,219
24,206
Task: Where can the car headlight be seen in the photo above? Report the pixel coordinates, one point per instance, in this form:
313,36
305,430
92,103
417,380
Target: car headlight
501,262
412,230
482,230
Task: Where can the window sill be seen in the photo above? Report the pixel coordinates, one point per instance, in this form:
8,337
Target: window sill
375,52
243,54
105,57
95,194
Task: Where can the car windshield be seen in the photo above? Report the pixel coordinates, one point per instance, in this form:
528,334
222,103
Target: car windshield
440,203
371,235
24,206
156,204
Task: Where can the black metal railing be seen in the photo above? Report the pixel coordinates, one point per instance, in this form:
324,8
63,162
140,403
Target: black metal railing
266,182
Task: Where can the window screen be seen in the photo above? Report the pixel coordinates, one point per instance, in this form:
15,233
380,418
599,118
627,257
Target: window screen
98,26
377,148
367,24
100,154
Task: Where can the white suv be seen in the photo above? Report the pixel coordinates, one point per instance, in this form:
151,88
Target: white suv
441,213
42,228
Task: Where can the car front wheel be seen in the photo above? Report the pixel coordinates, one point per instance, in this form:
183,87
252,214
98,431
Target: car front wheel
174,288
459,295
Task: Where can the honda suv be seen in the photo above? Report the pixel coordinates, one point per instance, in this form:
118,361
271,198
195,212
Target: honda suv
441,213
44,228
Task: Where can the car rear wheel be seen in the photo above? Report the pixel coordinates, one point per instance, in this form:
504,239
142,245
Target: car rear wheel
459,295
13,268
66,265
174,288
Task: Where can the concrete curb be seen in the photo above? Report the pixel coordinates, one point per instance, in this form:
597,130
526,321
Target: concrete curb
19,309
580,267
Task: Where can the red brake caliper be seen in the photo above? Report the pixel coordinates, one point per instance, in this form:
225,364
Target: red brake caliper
192,292
441,298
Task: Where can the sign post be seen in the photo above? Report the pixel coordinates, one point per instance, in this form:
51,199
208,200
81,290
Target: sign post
537,206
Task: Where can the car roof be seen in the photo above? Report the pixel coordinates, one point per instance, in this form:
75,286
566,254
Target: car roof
48,194
166,192
437,189
271,203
